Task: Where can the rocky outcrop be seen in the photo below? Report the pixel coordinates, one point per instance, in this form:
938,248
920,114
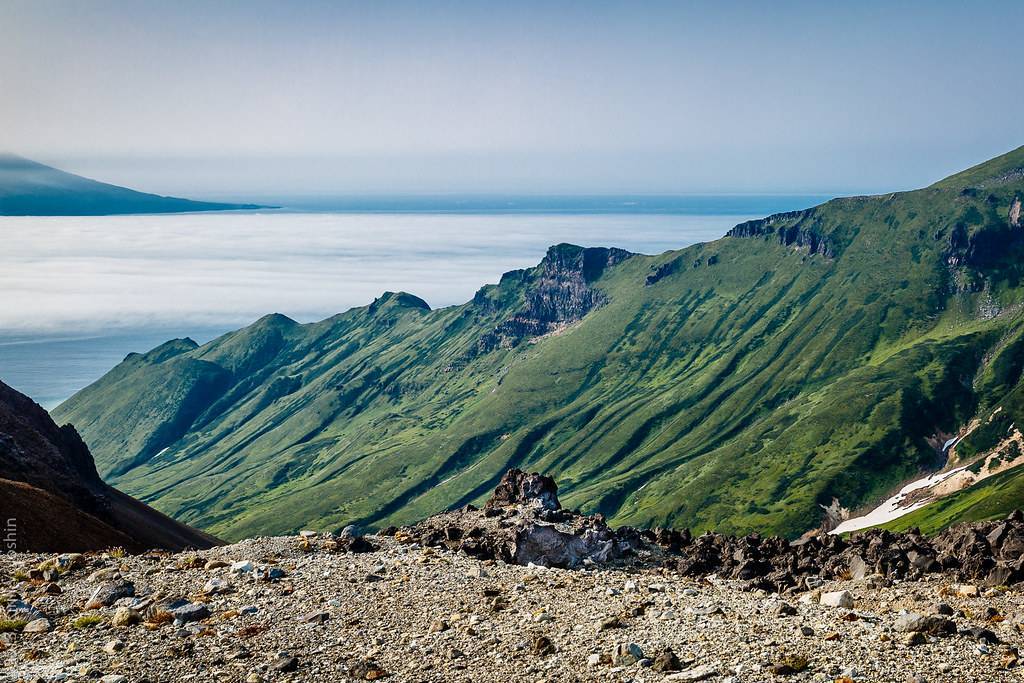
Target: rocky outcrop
519,488
52,499
558,292
523,523
801,229
1014,213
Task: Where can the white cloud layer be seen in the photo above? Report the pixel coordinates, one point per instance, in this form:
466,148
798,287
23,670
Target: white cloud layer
86,273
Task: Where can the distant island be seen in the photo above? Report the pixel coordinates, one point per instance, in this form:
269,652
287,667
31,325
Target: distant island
28,188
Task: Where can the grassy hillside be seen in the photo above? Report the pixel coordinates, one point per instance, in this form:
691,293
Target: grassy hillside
735,384
28,188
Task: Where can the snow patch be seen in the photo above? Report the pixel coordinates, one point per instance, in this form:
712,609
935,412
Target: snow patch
893,508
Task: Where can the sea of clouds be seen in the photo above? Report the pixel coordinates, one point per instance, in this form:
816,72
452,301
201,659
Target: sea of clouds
87,273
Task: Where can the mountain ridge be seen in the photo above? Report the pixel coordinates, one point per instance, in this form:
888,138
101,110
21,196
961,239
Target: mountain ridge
737,384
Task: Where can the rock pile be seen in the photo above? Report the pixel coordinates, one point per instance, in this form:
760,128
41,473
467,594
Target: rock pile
523,523
991,553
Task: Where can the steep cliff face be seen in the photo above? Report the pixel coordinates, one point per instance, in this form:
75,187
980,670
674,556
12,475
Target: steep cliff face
802,229
556,293
49,487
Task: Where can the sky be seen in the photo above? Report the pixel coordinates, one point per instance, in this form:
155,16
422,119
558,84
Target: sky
253,99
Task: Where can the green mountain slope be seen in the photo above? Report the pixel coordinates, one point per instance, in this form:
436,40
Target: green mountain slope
736,384
28,188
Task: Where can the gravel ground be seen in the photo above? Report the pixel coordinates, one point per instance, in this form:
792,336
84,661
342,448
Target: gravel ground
415,614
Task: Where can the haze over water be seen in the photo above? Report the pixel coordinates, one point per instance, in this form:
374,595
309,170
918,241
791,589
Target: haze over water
82,292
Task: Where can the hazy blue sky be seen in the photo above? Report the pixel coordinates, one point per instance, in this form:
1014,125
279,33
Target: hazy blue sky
347,97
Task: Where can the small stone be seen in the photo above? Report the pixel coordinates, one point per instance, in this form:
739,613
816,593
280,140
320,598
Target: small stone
858,568
108,593
944,609
789,665
439,626
18,610
113,647
542,646
980,633
215,564
216,586
610,623
837,599
125,616
666,660
314,617
243,567
113,678
38,626
931,624
365,669
107,574
285,664
192,611
784,609
626,654
807,631
594,660
966,590
914,638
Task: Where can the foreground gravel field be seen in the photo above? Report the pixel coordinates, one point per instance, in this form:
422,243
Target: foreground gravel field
280,609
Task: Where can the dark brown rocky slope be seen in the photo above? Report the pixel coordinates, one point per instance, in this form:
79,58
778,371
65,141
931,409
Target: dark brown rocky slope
52,499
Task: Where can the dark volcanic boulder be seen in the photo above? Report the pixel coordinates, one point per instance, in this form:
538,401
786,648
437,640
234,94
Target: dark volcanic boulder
519,488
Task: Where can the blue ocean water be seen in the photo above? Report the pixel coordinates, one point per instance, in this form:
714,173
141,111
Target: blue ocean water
49,367
80,293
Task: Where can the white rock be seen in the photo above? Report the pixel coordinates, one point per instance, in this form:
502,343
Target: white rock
837,599
243,567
